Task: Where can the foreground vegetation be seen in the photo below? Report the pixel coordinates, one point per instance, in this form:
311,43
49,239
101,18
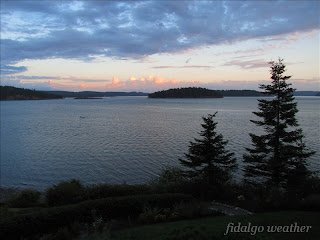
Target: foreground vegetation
71,210
216,227
34,222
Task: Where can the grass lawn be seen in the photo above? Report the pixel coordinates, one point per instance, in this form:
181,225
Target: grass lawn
214,227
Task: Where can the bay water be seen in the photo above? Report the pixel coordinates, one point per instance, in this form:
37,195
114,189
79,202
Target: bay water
123,139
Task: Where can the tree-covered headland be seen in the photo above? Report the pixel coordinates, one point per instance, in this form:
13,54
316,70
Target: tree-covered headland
13,93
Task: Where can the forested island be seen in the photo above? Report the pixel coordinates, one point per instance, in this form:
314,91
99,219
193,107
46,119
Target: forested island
190,92
13,93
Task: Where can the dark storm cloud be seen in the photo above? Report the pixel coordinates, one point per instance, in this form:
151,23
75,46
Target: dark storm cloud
81,30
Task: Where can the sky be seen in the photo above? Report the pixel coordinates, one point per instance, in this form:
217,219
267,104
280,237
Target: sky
149,46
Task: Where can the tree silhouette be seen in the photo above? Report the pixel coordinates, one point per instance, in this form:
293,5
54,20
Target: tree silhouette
278,156
207,157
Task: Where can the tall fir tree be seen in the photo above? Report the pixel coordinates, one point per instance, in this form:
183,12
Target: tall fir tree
278,157
207,157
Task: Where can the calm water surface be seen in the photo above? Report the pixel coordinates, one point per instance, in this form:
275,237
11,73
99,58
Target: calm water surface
122,139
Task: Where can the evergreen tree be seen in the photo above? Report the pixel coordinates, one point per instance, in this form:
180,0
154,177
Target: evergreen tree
208,157
278,156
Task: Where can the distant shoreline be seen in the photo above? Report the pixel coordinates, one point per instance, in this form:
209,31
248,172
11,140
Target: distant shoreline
9,93
88,98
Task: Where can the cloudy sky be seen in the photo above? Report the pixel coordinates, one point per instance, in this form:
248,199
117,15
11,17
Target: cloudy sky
153,45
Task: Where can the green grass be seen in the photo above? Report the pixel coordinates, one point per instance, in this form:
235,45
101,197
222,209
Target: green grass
215,227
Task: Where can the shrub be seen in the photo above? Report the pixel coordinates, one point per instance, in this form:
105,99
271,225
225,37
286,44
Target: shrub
66,192
66,233
241,198
310,186
4,211
170,174
50,219
108,190
191,209
172,180
70,192
26,198
311,202
275,198
148,215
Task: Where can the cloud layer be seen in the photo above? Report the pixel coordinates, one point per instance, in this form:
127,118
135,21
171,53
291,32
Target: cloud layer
85,29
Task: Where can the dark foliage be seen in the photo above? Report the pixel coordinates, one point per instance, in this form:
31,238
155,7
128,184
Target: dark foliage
72,191
207,157
240,93
47,220
191,92
66,192
175,180
13,93
277,158
26,198
111,190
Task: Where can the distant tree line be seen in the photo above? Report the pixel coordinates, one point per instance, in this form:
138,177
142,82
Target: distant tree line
254,93
13,93
240,93
89,94
190,92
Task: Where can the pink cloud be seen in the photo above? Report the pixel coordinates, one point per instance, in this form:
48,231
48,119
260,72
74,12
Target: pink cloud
83,85
116,83
148,83
294,37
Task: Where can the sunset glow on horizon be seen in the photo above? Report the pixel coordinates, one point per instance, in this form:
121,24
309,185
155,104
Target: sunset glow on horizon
155,45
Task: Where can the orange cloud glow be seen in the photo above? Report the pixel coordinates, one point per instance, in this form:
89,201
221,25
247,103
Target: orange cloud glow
83,85
149,82
116,83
